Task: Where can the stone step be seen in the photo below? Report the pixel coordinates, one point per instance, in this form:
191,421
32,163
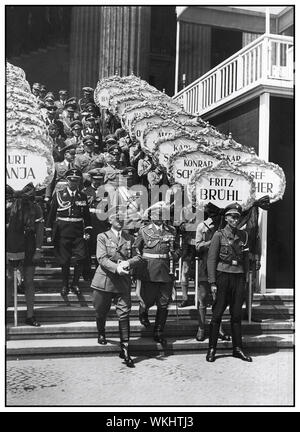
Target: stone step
54,297
183,327
80,346
82,311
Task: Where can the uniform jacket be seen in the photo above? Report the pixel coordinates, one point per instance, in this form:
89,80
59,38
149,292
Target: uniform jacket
64,206
93,200
112,174
60,170
109,251
95,132
85,162
204,233
58,123
227,247
151,241
73,141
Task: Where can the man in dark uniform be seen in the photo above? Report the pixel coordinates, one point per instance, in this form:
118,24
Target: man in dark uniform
88,96
159,246
226,267
87,161
62,99
70,211
114,167
59,180
93,130
97,206
50,118
76,138
112,279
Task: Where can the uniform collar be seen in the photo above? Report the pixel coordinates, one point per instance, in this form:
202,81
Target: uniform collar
116,233
230,233
72,192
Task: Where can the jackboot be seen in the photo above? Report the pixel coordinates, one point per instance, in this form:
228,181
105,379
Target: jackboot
77,273
124,330
238,353
143,317
101,331
160,321
65,271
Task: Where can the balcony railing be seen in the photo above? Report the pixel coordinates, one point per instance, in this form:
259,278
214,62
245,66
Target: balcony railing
268,60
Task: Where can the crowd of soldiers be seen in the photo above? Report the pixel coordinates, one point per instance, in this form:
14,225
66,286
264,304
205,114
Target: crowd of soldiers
89,152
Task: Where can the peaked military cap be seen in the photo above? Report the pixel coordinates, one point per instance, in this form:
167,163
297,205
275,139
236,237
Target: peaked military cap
88,139
234,208
62,91
73,174
70,107
96,173
76,124
69,148
50,106
72,100
90,117
130,170
113,149
49,95
88,89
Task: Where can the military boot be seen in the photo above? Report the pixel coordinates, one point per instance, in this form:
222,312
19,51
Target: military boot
101,331
77,273
65,270
124,329
160,321
143,317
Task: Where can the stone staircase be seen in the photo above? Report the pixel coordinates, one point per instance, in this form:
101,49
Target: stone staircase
68,324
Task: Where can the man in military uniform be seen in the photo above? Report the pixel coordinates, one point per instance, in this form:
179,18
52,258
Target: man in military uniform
50,118
187,216
204,233
70,216
88,96
59,180
76,138
95,201
114,167
62,99
158,244
112,279
86,161
93,130
36,90
226,267
58,143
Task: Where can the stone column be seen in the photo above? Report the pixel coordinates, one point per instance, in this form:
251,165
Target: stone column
125,40
84,47
108,39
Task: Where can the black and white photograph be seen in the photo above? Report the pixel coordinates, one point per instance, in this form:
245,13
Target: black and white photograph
149,209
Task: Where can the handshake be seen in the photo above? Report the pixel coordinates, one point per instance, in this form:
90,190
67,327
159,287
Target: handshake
123,268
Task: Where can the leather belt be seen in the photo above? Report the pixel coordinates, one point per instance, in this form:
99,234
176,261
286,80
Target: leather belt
148,255
69,219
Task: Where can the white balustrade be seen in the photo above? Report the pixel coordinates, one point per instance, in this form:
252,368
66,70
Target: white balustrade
267,60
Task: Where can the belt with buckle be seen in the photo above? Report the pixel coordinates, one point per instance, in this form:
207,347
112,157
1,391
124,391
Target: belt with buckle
69,219
148,255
